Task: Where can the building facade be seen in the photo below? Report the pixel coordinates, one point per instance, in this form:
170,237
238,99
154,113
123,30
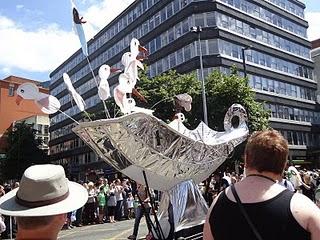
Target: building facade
40,124
277,55
9,110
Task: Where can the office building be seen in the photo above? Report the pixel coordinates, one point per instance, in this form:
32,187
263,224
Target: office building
270,33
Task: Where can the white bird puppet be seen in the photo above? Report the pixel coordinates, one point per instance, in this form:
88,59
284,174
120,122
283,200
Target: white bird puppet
29,91
76,96
104,89
134,60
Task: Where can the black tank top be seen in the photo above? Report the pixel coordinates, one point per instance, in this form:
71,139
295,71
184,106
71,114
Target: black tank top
272,218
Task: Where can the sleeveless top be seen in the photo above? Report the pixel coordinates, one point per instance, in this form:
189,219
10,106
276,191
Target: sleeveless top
272,219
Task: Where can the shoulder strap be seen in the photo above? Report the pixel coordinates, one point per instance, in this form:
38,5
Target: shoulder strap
243,211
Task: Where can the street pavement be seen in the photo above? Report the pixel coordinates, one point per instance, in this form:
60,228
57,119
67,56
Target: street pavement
107,231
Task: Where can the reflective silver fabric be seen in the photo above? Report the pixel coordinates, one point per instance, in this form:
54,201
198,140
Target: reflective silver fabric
168,154
188,205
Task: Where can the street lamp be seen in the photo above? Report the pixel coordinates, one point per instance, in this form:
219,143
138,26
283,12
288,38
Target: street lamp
244,60
198,30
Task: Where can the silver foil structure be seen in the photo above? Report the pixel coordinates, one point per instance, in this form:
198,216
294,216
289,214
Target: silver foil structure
174,158
169,154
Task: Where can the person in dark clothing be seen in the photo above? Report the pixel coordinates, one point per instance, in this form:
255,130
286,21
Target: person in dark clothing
275,212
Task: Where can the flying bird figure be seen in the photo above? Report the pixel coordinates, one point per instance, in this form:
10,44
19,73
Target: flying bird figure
47,103
77,22
76,96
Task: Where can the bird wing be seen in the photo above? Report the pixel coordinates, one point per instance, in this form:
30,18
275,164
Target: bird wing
104,89
119,97
68,82
79,101
47,103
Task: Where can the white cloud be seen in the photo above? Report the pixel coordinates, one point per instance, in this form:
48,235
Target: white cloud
34,51
19,6
43,49
314,25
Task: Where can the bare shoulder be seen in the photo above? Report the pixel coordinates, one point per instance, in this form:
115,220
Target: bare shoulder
306,213
207,231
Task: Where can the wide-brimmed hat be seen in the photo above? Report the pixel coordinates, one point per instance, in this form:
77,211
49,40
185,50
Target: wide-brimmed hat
44,191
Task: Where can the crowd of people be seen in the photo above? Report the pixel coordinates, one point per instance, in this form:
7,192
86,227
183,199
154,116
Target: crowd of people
309,184
107,202
264,191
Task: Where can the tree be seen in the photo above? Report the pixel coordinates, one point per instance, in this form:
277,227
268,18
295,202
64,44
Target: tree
22,151
222,91
160,90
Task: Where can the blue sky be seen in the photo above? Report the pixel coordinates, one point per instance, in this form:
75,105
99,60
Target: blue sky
36,35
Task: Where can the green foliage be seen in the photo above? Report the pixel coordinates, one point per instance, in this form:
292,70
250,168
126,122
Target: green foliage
221,91
160,90
22,151
224,90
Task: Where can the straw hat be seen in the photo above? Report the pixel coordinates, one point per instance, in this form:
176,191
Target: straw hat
44,191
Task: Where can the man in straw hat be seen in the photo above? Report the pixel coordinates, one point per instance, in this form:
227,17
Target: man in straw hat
41,202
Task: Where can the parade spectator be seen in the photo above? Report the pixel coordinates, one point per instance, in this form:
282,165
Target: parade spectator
89,209
142,210
126,191
101,203
130,201
41,202
2,192
112,203
221,182
119,197
261,208
16,185
307,186
286,183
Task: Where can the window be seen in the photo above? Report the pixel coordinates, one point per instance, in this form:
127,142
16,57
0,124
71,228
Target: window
11,90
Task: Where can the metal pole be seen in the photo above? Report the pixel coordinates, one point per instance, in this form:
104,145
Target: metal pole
158,226
244,62
204,99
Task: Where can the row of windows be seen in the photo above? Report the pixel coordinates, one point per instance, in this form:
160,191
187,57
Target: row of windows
301,138
289,6
267,16
143,29
66,146
270,85
84,159
208,47
80,159
260,35
291,113
253,56
167,12
62,131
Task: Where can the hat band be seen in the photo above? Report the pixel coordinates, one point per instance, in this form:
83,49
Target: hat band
25,203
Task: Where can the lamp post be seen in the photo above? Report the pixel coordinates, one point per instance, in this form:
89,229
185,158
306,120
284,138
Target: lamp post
198,30
244,60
